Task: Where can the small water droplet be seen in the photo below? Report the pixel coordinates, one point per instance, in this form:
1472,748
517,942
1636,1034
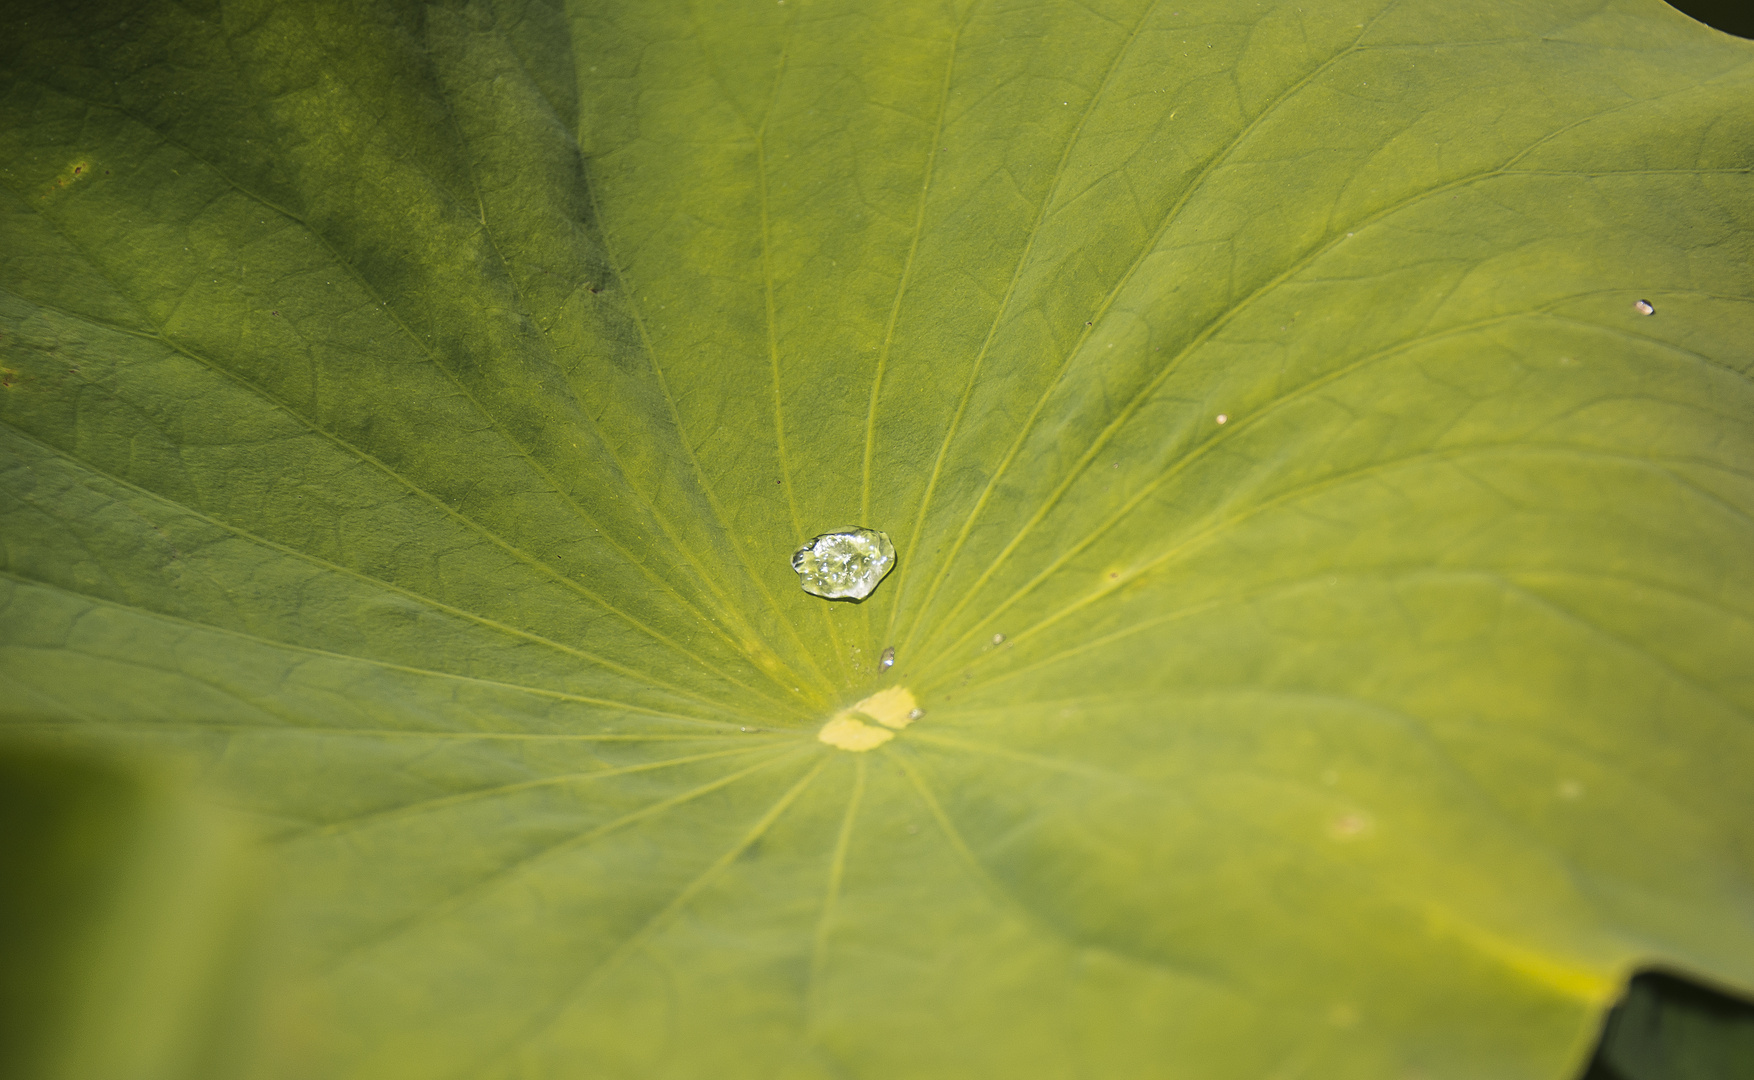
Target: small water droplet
1222,419
1643,308
915,714
998,639
745,729
845,564
888,660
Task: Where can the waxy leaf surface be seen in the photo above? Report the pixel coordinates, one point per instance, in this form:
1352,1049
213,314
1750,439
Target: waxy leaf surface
1329,595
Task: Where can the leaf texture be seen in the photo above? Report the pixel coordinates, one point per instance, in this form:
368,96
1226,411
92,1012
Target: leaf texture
1330,596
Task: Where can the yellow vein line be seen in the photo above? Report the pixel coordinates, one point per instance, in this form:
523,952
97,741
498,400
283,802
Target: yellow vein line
1506,170
509,871
1503,171
537,691
933,150
1228,434
158,335
437,605
773,348
1235,430
1291,495
656,922
998,316
384,306
439,504
1195,185
1073,768
511,278
293,731
426,806
1005,899
951,833
837,867
824,684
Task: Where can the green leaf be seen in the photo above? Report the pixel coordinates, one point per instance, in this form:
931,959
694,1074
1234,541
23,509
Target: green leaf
120,913
1669,1029
1330,596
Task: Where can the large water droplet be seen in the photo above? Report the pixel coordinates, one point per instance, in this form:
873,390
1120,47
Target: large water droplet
845,564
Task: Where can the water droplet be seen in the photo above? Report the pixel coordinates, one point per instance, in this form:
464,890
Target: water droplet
998,639
1222,419
845,564
1643,308
888,660
915,714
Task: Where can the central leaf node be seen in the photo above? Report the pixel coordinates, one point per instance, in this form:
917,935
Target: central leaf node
892,708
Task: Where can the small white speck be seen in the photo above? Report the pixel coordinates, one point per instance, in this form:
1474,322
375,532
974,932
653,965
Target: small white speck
1643,308
1223,419
998,639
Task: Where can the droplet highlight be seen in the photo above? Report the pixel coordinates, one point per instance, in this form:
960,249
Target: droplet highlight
1643,307
888,659
845,564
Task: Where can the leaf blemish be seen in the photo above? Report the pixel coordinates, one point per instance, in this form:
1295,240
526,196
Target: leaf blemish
1350,826
891,708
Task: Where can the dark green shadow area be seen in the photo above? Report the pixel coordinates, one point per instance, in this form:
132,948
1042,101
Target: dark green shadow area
122,937
1668,1028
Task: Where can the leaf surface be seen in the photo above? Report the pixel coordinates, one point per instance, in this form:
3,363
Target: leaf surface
1330,596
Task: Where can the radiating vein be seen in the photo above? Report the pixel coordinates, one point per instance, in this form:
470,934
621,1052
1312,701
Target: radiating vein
426,806
907,266
524,863
837,867
824,684
1193,186
325,565
632,943
1296,493
1205,334
383,306
1223,436
1035,228
309,650
773,344
421,493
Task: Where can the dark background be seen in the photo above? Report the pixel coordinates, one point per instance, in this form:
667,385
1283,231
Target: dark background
1731,16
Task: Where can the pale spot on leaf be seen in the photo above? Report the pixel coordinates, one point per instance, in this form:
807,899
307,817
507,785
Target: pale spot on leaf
847,732
892,707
